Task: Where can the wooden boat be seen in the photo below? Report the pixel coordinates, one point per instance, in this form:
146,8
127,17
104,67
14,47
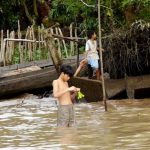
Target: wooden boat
93,88
41,76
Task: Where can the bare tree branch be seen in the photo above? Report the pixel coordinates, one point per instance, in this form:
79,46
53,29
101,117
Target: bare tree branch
94,5
87,4
105,7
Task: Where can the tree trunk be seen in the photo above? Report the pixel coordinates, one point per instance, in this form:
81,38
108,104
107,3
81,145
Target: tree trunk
27,13
35,8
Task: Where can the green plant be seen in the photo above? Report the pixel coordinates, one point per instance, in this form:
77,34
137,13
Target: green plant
16,56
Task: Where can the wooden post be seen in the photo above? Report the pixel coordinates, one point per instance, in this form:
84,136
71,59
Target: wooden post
13,43
57,61
33,44
71,42
26,44
44,46
42,36
1,52
39,37
6,51
77,55
19,44
30,45
76,38
65,48
11,50
58,41
4,47
77,46
101,57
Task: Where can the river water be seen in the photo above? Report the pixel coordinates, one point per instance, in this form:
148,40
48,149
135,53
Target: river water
30,124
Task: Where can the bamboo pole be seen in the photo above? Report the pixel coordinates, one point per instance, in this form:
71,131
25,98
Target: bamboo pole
2,42
58,41
76,46
51,32
32,41
26,45
44,46
76,36
6,52
11,50
20,40
19,44
4,47
71,43
13,44
29,45
101,57
68,38
33,37
39,37
65,48
42,36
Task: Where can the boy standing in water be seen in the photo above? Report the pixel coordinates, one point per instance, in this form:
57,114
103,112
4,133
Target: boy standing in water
65,95
91,55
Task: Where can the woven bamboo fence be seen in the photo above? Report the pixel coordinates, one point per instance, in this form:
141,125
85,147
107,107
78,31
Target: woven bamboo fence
20,47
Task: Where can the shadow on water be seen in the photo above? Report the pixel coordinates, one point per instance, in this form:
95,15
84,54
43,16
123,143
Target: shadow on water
121,95
142,93
139,94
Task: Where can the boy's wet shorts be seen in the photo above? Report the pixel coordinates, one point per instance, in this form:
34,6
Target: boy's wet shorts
66,115
93,62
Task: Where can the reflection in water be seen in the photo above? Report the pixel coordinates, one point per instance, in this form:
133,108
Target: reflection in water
31,124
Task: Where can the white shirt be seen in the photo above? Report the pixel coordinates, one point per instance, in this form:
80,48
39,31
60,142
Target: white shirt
91,49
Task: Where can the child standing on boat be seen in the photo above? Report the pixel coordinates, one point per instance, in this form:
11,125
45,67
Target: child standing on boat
91,55
65,95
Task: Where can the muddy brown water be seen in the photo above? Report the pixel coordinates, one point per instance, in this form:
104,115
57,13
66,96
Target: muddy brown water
30,123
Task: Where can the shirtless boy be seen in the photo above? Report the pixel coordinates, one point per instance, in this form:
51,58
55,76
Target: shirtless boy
65,95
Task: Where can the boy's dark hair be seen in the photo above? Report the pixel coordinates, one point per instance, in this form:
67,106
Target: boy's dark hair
67,69
90,33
